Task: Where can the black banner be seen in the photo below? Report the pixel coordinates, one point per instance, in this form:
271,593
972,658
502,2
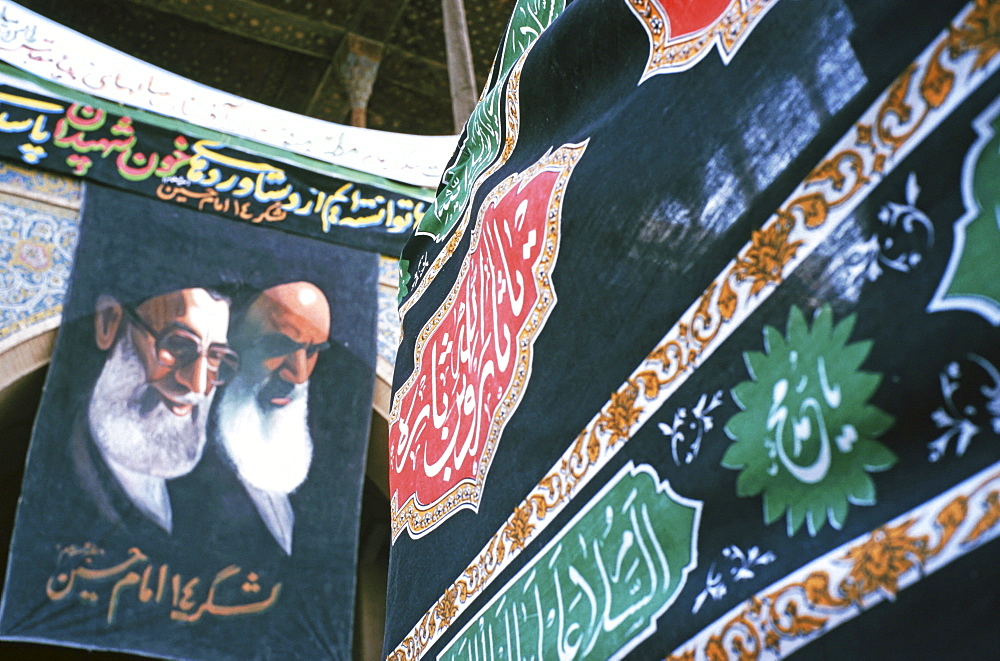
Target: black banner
88,142
700,353
193,483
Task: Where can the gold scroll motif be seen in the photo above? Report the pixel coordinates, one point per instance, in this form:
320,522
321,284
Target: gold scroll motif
670,54
853,578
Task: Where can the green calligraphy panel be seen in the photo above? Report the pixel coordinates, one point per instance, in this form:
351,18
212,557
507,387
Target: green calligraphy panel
597,589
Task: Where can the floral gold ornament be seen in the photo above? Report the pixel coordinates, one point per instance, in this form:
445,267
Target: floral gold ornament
769,252
446,610
980,32
990,518
519,529
849,580
623,413
878,562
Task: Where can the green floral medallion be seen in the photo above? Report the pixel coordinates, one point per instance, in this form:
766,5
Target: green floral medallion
805,437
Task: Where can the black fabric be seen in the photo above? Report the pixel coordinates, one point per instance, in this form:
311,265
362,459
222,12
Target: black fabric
641,242
138,248
207,175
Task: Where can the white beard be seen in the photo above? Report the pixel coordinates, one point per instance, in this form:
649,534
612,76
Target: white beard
271,449
152,442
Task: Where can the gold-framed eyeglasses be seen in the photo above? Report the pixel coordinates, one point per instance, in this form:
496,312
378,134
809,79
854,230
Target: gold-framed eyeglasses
176,348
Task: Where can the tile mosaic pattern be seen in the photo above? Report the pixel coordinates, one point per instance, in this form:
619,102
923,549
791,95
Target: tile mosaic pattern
388,313
36,251
53,189
39,223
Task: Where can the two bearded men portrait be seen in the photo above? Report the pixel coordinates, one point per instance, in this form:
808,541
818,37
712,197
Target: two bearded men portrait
195,474
194,374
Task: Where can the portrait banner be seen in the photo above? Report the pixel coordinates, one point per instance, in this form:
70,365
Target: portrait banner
193,482
208,175
701,348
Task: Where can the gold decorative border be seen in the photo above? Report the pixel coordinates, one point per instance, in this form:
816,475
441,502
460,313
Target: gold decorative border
728,33
513,118
950,69
853,578
420,519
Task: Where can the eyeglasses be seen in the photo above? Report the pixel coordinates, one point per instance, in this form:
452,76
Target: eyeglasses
177,348
277,345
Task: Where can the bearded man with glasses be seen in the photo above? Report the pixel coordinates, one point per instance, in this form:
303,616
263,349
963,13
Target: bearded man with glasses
148,410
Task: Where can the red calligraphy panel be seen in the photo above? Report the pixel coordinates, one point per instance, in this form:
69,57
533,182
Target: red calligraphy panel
473,358
690,16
